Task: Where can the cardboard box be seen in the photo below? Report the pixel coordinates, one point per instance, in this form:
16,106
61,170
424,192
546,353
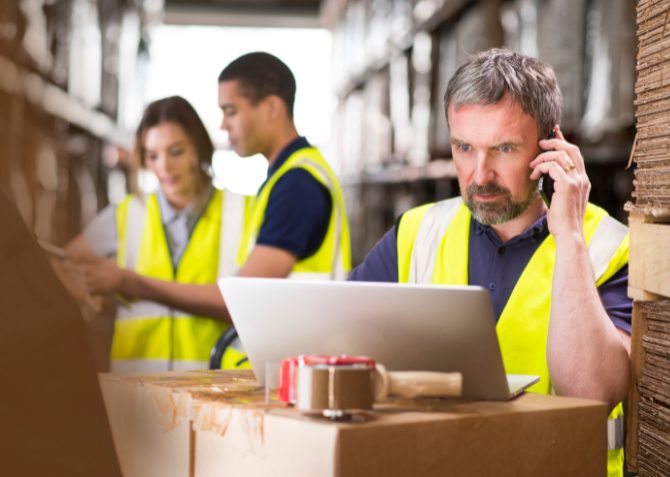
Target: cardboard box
204,424
151,416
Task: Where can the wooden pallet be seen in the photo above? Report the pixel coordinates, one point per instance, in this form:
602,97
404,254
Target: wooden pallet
649,269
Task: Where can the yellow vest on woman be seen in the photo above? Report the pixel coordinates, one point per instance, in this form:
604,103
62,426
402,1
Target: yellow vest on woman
332,261
432,247
152,337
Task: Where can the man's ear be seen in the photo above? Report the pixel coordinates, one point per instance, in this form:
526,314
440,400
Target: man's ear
276,107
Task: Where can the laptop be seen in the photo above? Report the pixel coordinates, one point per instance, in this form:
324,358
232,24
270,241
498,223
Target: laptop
403,327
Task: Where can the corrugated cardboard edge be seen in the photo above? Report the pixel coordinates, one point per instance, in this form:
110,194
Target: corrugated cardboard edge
143,414
660,214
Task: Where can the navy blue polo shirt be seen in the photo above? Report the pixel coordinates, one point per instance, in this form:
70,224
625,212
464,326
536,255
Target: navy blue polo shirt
298,211
497,267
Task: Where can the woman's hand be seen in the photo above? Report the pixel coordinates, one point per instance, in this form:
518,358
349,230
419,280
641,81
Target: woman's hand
103,276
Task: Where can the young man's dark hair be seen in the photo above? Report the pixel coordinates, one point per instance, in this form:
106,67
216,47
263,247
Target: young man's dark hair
259,75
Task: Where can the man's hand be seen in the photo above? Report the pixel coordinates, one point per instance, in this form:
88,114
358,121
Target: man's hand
564,163
586,354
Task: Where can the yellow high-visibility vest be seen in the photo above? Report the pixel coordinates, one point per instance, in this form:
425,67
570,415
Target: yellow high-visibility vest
151,337
332,261
432,247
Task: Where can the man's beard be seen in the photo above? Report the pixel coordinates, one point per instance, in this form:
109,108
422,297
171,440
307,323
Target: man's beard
502,210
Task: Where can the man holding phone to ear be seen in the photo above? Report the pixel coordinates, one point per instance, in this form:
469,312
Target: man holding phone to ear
557,273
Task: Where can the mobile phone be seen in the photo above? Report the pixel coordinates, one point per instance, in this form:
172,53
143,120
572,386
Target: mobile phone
546,188
545,185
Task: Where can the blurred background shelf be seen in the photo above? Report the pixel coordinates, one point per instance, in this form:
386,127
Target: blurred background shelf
253,13
56,102
71,74
73,79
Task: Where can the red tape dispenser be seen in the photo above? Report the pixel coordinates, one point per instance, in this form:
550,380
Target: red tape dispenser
330,385
337,386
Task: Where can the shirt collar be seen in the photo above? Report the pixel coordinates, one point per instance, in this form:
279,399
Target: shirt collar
298,143
536,232
191,211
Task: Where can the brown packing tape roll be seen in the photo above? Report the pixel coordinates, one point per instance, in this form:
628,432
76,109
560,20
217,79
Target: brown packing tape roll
323,387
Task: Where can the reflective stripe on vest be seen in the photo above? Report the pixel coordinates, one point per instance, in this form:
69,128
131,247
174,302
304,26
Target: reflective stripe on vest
333,258
231,234
148,335
433,248
615,432
615,442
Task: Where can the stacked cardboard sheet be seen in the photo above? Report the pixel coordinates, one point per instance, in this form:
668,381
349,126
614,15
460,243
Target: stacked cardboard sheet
654,387
652,109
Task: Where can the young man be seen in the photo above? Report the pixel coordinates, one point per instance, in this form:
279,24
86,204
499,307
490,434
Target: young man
557,272
297,225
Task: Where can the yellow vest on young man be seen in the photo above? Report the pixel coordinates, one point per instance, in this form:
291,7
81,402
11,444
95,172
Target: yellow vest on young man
332,261
432,244
149,336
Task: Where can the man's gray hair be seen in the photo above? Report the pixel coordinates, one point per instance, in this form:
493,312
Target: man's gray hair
484,78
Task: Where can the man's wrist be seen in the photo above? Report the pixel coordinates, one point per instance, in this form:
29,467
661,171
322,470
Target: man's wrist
569,239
